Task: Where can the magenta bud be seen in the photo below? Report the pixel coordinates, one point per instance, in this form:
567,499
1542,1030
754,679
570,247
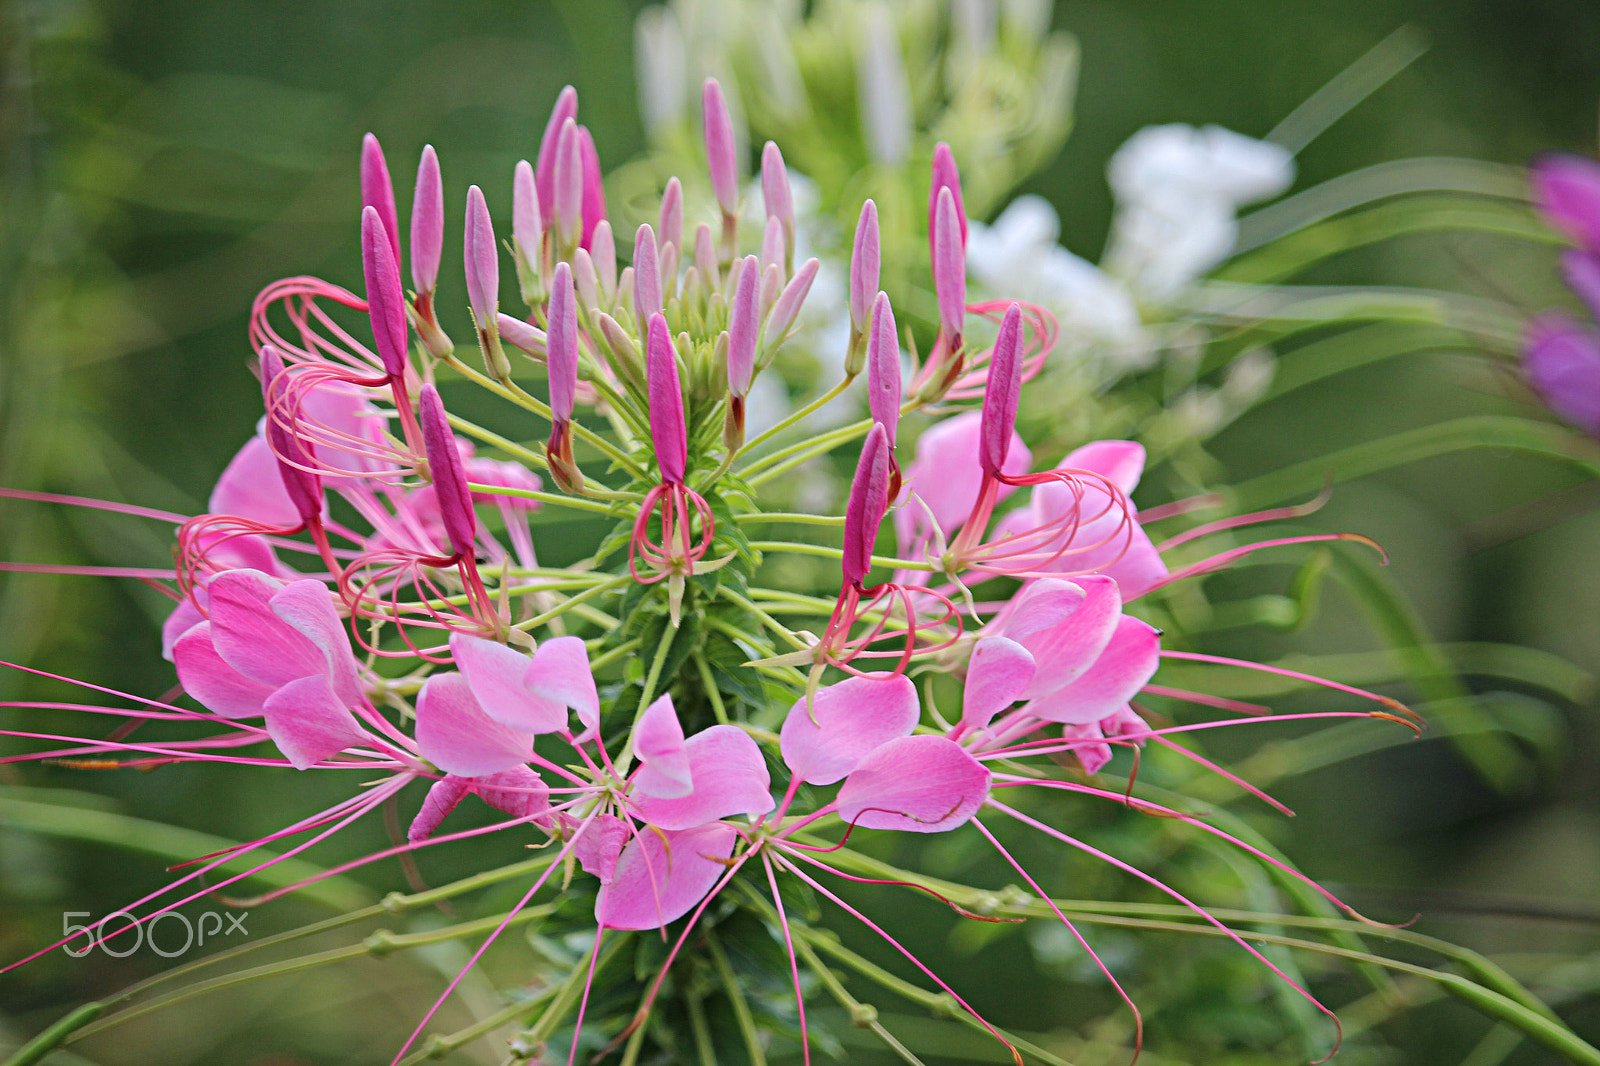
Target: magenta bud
671,228
603,251
482,260
545,174
594,186
869,502
705,257
787,307
646,275
515,331
563,344
668,430
949,266
720,148
447,473
386,302
772,253
1002,394
744,328
775,191
864,264
427,223
946,176
377,191
771,286
303,486
527,222
568,194
883,369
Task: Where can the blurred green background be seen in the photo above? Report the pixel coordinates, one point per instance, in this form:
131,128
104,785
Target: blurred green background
165,159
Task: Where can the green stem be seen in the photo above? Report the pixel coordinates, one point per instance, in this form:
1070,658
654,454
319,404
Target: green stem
798,416
710,684
741,1006
770,622
808,448
577,503
790,516
826,552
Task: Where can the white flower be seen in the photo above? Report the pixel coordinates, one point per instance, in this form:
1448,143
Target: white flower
1177,191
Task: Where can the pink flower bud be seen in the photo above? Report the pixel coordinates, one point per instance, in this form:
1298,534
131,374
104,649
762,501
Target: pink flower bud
449,478
772,253
949,266
668,430
705,257
527,222
946,176
568,194
869,502
1002,394
386,302
482,260
775,189
563,344
744,328
378,192
603,251
787,307
566,108
864,263
646,275
529,338
584,277
594,186
883,368
672,214
771,286
304,487
427,223
720,148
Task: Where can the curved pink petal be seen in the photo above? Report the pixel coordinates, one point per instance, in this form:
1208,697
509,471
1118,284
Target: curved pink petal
600,846
920,784
947,475
844,723
730,777
519,792
442,797
455,734
998,674
1091,751
1561,360
219,687
184,617
1126,665
661,876
561,672
1566,190
250,487
497,675
658,742
1065,625
1120,461
251,638
307,605
309,722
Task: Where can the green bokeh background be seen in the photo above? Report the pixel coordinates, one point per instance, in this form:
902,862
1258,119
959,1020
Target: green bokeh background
163,160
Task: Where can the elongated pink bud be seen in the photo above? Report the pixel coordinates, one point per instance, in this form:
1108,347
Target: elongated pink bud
946,176
668,430
594,186
869,502
377,191
303,486
562,342
481,259
646,275
386,302
671,229
705,257
449,477
566,108
567,206
584,277
787,307
949,266
1002,394
883,369
864,266
427,223
772,245
720,148
529,338
771,287
603,252
744,328
779,201
527,221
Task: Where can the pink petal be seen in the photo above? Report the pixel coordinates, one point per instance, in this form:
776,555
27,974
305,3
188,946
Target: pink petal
309,722
853,717
561,673
947,476
1562,363
307,605
251,488
455,734
1128,662
1119,461
660,877
219,687
184,617
730,777
497,675
998,674
1091,756
519,791
251,638
658,742
919,784
441,799
600,846
1065,625
1566,190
